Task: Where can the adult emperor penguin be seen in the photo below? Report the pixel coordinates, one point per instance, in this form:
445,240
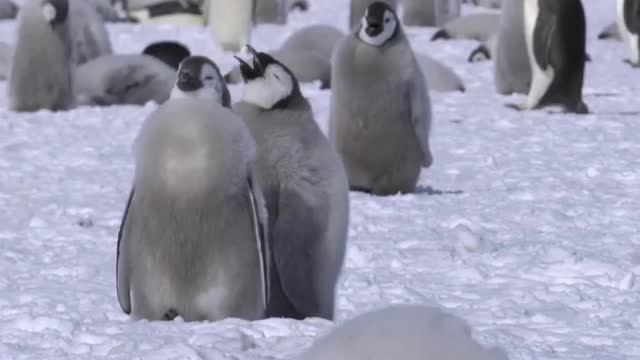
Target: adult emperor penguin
41,71
479,27
123,79
376,62
192,241
555,33
358,7
407,332
629,28
89,35
511,68
305,188
231,22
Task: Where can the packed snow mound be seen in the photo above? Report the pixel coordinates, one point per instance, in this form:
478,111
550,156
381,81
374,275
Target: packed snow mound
402,332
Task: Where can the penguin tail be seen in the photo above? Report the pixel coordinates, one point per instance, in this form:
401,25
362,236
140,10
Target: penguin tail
441,34
170,315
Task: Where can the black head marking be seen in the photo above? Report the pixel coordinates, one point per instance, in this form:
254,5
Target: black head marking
379,17
61,8
169,52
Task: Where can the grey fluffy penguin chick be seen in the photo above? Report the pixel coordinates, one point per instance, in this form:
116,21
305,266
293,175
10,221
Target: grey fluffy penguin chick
41,70
123,80
307,53
88,33
511,69
430,12
8,9
376,62
479,27
610,32
358,7
192,241
305,187
409,332
440,77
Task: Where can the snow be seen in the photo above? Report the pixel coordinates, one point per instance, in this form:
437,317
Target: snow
526,226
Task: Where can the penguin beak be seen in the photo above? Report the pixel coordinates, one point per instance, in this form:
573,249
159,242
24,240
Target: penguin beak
374,26
247,72
187,82
257,65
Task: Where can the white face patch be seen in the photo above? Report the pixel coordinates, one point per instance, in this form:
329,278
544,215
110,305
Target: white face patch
266,91
388,29
48,11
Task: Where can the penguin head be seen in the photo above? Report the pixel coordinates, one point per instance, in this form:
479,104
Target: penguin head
268,83
55,11
169,52
199,77
379,24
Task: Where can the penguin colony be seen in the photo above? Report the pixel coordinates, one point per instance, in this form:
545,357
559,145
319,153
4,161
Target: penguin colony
242,209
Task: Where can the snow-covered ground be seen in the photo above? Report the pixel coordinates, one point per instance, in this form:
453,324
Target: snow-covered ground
526,225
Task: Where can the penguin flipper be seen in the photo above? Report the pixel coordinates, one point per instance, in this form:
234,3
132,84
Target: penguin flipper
259,221
295,238
122,268
420,107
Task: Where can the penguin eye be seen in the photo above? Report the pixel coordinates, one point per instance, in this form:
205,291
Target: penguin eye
387,20
208,77
277,77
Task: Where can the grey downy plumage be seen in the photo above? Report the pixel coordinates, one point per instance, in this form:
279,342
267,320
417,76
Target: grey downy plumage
305,187
193,237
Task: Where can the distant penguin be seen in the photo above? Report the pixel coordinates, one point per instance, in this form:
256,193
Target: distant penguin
440,77
511,68
231,22
407,332
6,53
169,52
41,69
107,11
555,33
302,5
8,9
430,12
88,33
123,80
192,240
306,52
319,38
271,12
610,32
478,26
491,4
484,51
305,187
358,7
376,62
629,28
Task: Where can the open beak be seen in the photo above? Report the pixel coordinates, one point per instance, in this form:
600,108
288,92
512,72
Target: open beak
256,60
251,72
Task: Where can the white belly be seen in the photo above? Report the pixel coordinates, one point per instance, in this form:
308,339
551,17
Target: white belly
231,22
531,11
630,39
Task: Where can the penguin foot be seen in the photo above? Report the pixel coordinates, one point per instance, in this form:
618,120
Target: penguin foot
519,107
634,65
170,315
440,34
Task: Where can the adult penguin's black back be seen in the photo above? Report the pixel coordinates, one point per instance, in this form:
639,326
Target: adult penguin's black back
559,41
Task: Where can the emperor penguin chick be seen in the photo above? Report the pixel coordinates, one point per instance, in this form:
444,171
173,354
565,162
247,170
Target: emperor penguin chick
358,7
380,108
41,72
192,241
305,187
89,35
407,332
